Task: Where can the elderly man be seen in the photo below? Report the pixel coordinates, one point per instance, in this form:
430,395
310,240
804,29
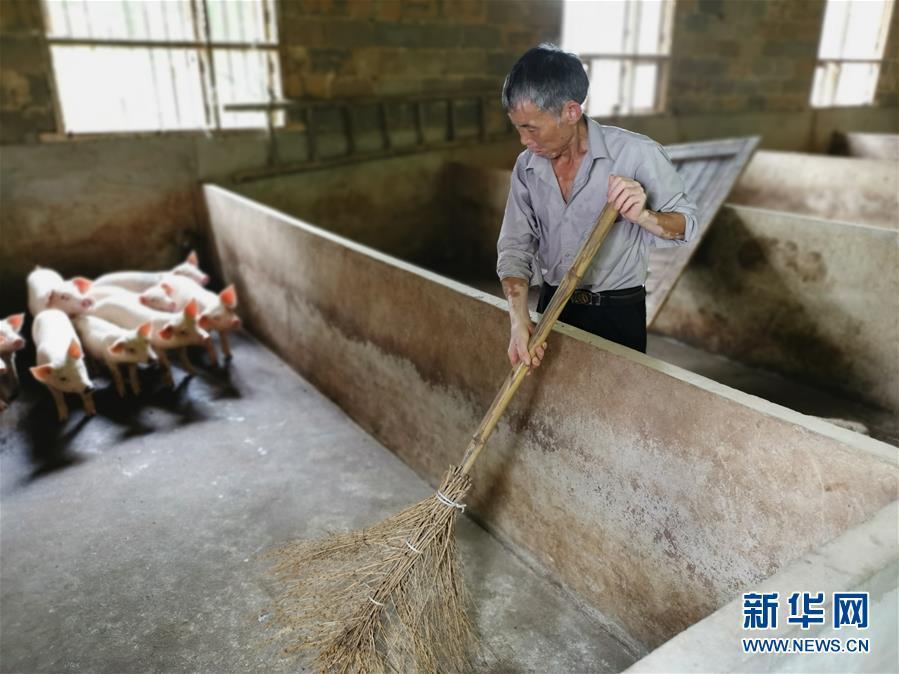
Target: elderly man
572,166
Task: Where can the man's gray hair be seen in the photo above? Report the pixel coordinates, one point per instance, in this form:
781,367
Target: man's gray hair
547,77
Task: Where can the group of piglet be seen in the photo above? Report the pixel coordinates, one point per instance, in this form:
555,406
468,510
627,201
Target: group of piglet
123,318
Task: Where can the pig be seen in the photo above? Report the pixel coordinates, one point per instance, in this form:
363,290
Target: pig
60,360
154,297
107,342
48,290
138,281
167,330
216,310
10,342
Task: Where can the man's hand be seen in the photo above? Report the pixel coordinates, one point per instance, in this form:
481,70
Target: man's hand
629,197
516,292
518,345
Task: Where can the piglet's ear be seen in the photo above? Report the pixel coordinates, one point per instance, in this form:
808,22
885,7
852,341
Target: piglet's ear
193,259
118,347
42,372
191,309
167,331
74,350
229,296
167,288
83,284
15,321
144,330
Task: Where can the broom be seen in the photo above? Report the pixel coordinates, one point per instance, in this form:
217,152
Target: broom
390,598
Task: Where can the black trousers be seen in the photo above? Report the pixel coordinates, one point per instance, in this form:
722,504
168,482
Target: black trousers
623,324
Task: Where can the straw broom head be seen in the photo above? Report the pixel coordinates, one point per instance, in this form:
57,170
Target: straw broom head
388,598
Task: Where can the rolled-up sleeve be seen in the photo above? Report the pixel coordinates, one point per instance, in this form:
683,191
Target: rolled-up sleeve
517,245
665,193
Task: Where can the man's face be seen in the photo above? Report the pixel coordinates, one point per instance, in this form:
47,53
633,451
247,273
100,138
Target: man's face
544,133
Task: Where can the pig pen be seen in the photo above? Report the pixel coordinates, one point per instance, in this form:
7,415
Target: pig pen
609,527
651,496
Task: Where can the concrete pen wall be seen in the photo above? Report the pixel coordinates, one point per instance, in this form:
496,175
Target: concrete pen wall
653,494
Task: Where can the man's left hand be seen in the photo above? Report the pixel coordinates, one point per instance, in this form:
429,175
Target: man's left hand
628,197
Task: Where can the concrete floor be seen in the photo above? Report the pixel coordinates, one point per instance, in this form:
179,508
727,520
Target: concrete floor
132,541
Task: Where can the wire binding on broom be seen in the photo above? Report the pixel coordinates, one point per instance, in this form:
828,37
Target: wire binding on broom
448,502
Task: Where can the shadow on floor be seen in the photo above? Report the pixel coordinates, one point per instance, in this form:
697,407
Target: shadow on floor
49,442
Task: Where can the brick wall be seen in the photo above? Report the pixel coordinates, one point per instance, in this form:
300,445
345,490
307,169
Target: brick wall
729,56
334,48
746,56
26,104
329,49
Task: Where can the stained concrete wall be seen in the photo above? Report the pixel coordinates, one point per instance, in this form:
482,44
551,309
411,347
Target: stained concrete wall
405,206
863,559
653,494
813,298
862,191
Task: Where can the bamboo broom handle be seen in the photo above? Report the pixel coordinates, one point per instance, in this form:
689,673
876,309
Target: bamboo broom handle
569,283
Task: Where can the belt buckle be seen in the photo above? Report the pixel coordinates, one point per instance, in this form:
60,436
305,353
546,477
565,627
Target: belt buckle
581,297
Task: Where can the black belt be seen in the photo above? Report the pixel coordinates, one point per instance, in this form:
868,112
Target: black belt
606,298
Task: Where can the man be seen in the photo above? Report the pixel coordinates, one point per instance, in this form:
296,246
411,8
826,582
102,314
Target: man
571,167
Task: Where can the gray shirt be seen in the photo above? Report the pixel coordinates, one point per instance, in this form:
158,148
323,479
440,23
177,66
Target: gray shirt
541,234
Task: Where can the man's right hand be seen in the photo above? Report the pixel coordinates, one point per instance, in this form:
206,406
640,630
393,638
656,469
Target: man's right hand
516,292
518,345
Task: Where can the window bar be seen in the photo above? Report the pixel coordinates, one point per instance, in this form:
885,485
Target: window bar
210,62
632,14
87,19
658,104
150,53
168,52
65,13
58,116
208,108
226,78
242,16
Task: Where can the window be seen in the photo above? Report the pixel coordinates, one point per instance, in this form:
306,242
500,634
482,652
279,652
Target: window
853,40
625,46
153,65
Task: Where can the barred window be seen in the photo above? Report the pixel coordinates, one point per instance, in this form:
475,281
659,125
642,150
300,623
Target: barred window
625,46
853,40
162,65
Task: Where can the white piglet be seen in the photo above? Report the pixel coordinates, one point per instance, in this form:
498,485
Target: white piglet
154,297
48,290
167,330
216,309
60,360
114,345
10,342
138,281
